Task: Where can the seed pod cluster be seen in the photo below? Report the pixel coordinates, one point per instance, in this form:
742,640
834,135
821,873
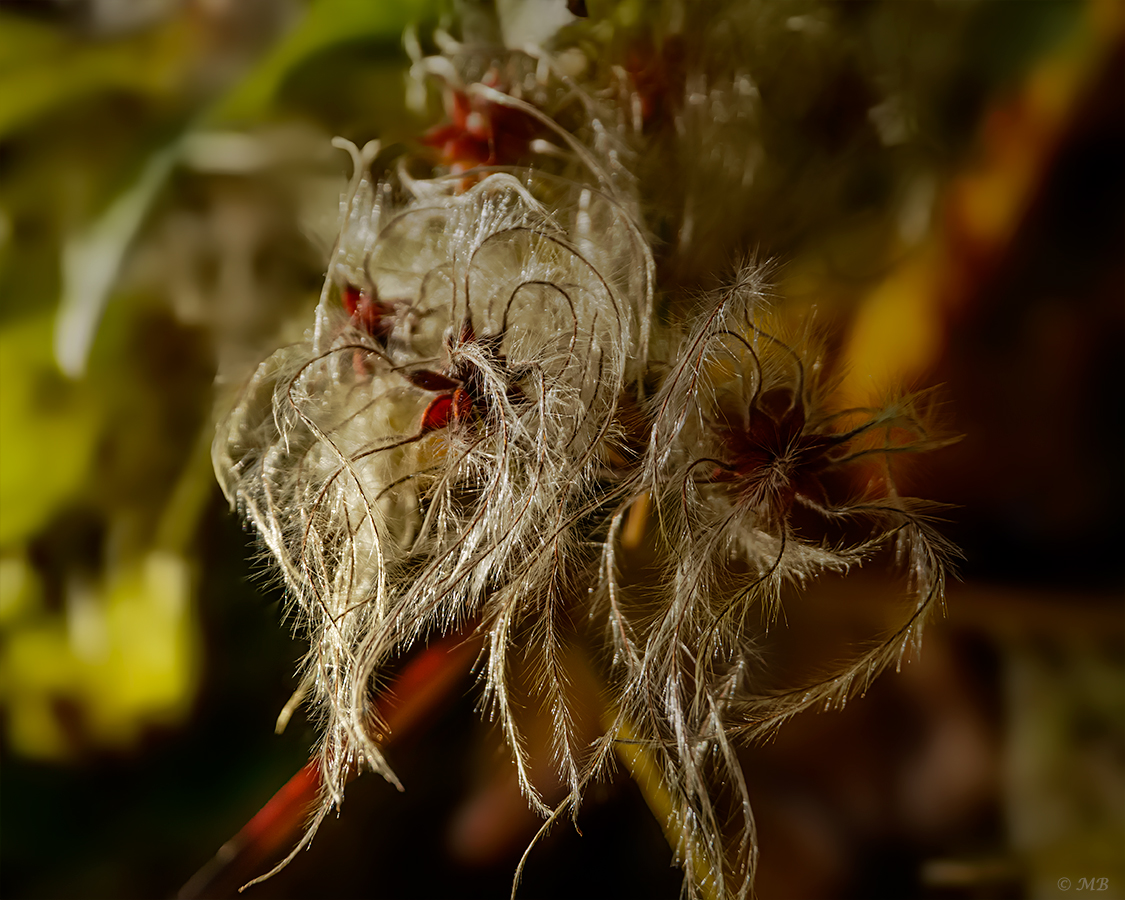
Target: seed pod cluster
494,383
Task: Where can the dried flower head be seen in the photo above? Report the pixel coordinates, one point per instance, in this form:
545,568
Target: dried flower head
462,436
420,462
758,482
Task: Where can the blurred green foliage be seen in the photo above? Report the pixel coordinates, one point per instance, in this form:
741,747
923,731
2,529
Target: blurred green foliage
105,385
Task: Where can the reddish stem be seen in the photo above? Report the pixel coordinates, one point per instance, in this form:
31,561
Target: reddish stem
413,698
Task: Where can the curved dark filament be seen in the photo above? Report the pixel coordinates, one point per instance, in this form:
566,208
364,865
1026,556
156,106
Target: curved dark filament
566,245
743,594
845,680
757,366
718,463
605,285
439,213
569,302
798,363
433,274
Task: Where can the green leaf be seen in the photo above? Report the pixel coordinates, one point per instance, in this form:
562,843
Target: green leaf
41,70
91,260
326,24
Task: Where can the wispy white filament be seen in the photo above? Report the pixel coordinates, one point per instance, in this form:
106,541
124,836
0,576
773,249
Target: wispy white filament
473,419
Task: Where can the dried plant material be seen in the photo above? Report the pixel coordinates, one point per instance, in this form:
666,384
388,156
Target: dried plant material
759,484
475,429
420,463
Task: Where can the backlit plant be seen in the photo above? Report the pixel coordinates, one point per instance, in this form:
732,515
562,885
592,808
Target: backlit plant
497,385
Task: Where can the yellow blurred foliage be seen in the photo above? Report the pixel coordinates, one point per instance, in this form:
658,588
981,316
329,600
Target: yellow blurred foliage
48,430
899,331
123,655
